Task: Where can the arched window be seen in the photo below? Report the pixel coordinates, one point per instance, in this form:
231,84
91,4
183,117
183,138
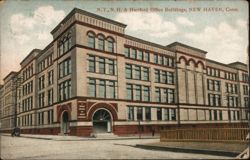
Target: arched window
101,42
110,45
91,40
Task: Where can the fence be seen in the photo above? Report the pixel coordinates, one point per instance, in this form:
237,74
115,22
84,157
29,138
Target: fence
205,134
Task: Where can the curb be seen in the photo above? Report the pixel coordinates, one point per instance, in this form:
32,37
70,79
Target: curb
187,150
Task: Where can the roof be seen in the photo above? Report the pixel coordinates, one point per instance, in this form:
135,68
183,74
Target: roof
226,65
184,45
77,10
147,42
34,50
12,72
235,63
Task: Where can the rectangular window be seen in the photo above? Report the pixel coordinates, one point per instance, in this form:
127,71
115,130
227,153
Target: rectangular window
126,52
140,55
133,54
166,114
155,58
139,113
157,75
128,71
148,113
131,113
215,115
173,114
65,90
129,91
50,77
146,57
138,93
170,95
157,95
159,114
92,88
170,78
50,97
112,92
102,89
164,77
111,67
101,65
161,60
65,68
146,94
220,115
91,63
137,72
145,73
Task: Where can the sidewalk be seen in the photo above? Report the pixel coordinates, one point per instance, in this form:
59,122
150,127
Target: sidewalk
220,149
76,138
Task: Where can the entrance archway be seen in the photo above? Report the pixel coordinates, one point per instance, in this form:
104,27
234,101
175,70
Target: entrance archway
65,122
102,121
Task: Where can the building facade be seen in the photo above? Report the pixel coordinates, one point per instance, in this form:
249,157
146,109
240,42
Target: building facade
94,78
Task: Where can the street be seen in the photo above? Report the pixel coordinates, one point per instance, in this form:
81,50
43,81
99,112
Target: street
29,148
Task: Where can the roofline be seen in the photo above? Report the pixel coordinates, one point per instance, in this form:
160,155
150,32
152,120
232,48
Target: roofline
237,62
34,50
77,10
147,42
178,43
10,74
226,65
45,49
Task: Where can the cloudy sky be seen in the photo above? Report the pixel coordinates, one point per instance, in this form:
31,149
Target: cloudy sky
220,27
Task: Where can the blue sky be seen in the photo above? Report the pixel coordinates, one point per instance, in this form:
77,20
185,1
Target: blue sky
26,25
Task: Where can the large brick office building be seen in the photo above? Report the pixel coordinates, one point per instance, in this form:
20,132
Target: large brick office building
94,78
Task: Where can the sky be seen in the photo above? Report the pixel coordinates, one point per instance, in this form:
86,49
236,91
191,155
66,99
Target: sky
218,27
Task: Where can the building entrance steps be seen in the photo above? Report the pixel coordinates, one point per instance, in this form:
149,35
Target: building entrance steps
104,135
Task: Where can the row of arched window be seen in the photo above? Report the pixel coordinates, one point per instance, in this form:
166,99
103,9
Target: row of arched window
102,41
65,44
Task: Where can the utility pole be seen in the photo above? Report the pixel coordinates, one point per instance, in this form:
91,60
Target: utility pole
17,84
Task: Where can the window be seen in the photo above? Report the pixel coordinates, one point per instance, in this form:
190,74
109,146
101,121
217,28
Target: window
173,114
91,40
137,72
159,114
131,113
138,93
41,82
128,71
50,97
133,54
245,89
65,90
157,75
170,78
232,101
246,101
50,116
148,113
164,77
91,63
64,44
170,95
210,115
65,68
166,114
139,113
100,42
161,60
127,52
111,65
156,58
145,73
101,65
50,77
110,45
129,91
220,115
102,89
146,57
214,99
112,91
146,95
41,100
157,95
92,88
215,115
140,55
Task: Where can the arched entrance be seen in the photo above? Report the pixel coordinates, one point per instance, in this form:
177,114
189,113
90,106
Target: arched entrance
101,121
65,122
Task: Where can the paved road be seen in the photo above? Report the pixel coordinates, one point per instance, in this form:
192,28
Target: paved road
27,148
